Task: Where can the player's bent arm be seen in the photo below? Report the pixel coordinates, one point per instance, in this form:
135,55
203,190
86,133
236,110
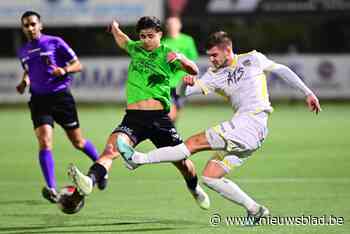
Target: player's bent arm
119,36
193,90
25,78
200,86
73,66
189,66
293,79
290,77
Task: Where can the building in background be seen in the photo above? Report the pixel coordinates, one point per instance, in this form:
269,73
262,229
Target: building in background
323,42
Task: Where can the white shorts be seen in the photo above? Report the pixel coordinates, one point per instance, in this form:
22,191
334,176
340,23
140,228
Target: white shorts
238,138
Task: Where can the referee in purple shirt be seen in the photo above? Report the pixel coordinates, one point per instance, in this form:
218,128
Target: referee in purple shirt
48,63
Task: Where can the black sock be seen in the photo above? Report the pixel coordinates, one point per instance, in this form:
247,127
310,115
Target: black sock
192,182
97,172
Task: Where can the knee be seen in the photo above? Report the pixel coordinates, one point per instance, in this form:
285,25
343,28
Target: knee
186,167
197,143
109,153
209,181
192,142
107,160
193,145
45,142
78,143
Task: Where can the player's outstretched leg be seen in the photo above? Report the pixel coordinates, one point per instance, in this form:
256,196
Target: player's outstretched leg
83,183
201,197
213,177
188,171
229,190
126,151
97,175
184,166
133,158
98,172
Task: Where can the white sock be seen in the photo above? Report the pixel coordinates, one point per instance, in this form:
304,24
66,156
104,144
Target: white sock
164,154
229,190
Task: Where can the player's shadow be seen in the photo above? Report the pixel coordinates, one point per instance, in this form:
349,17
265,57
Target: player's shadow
60,222
94,226
23,202
27,230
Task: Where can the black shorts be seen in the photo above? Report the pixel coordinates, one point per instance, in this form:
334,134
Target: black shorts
59,107
156,126
176,99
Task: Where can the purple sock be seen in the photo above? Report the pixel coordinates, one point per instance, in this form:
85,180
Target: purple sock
90,150
47,167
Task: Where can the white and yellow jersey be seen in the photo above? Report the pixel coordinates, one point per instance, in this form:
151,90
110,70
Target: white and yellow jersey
243,83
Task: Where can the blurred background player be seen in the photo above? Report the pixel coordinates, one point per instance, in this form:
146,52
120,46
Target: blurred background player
47,62
148,102
182,43
241,79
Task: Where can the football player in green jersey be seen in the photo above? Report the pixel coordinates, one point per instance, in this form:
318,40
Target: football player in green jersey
148,103
183,43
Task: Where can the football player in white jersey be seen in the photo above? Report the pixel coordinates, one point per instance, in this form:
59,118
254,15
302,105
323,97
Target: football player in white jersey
241,79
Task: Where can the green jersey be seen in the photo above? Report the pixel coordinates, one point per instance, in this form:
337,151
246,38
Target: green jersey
149,74
183,44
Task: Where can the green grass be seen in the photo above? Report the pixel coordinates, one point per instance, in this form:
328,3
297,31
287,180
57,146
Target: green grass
302,169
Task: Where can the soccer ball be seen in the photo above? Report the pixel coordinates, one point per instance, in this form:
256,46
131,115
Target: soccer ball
69,200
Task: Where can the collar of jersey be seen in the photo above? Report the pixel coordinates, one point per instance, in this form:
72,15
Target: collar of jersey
234,61
35,41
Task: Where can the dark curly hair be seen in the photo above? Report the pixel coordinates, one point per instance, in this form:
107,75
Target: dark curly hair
146,22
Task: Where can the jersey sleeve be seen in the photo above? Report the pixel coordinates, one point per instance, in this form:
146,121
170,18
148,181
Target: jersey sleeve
204,85
175,66
283,72
130,47
66,50
264,63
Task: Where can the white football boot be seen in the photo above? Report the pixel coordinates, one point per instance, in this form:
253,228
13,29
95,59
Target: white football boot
201,197
83,183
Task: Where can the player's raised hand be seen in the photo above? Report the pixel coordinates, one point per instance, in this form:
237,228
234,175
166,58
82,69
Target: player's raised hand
114,26
313,103
119,36
188,80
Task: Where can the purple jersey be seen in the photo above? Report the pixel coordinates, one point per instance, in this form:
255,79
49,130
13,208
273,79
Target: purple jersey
38,58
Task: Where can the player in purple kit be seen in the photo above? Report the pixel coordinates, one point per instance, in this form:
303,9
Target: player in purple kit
48,62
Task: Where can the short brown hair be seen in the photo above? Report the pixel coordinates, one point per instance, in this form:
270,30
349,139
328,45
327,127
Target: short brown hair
219,38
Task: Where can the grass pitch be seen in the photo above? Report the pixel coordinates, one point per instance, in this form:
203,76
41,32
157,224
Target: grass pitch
302,169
